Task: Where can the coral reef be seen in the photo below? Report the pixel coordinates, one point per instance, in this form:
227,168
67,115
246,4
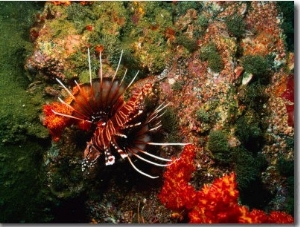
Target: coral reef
56,124
176,193
215,203
223,67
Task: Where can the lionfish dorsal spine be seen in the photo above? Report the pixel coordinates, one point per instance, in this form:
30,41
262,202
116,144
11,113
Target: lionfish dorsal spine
90,67
116,71
66,89
68,105
85,104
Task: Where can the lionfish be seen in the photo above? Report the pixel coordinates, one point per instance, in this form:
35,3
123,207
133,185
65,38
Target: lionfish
119,126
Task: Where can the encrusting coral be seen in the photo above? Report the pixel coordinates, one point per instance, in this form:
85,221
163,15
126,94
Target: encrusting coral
55,123
215,203
176,177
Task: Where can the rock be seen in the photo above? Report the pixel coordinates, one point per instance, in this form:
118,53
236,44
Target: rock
246,78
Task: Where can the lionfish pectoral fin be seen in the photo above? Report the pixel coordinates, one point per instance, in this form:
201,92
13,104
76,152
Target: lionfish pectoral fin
139,171
139,149
157,157
168,144
151,162
121,152
124,155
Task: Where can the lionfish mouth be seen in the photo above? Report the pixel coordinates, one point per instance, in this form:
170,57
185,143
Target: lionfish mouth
125,127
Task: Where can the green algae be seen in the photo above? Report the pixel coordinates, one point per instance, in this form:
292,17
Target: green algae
236,25
18,113
109,18
178,85
248,168
249,129
21,193
287,9
170,124
149,32
207,115
21,197
218,145
77,12
190,44
210,53
62,163
202,115
255,64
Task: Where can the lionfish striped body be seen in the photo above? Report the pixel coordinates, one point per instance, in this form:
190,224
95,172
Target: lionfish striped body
124,127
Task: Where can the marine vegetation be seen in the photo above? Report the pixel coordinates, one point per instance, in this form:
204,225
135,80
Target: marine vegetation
235,25
218,145
210,53
255,64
